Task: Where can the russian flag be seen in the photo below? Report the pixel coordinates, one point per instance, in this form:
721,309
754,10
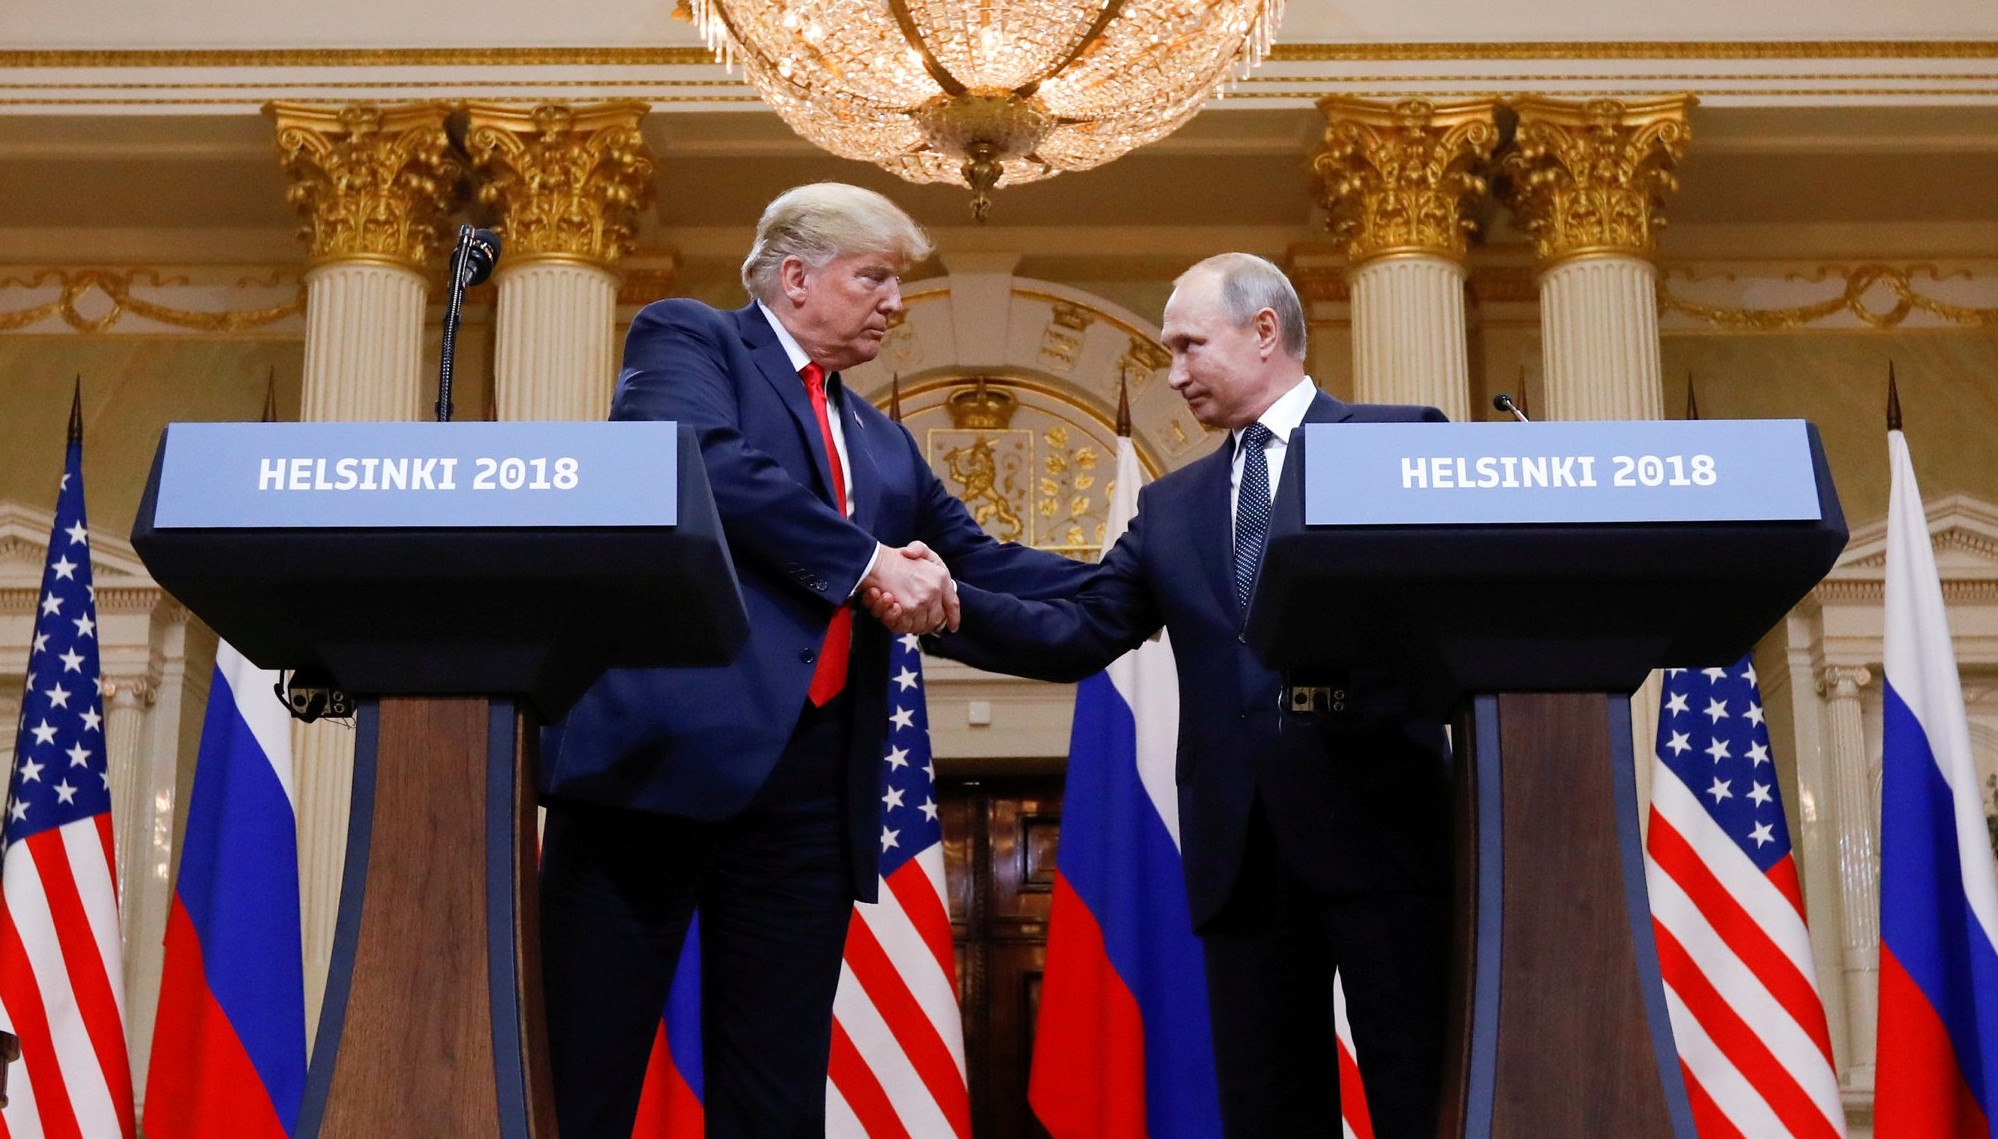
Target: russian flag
1938,1047
1122,1048
229,1043
669,1107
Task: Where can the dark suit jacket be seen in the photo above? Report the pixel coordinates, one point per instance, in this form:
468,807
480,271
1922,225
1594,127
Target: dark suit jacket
699,742
1358,801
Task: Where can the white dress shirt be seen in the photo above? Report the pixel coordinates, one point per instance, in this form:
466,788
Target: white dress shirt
1281,417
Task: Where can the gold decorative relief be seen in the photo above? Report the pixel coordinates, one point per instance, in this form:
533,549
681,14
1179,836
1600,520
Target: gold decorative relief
1061,341
1400,177
1591,177
1856,285
1140,360
568,181
371,181
93,300
1070,504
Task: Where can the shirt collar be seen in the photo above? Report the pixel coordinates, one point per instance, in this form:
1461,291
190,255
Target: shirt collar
1283,416
798,357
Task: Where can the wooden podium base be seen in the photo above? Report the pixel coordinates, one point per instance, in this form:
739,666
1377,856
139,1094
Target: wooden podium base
431,1023
1560,1015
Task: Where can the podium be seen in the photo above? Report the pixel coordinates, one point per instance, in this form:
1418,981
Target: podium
464,582
1522,580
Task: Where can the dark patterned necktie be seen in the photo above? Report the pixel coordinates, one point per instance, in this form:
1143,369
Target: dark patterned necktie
1252,510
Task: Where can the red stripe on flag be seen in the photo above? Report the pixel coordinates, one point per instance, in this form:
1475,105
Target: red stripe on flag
1739,929
667,1106
913,1029
861,1091
95,1002
1742,1046
1088,1076
22,993
1919,1082
1709,1121
925,910
1353,1096
110,844
1783,876
202,1082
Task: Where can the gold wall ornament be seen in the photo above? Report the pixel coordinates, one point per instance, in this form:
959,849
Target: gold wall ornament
1400,177
1144,357
1591,177
568,181
93,300
1062,339
982,407
1857,282
985,93
371,181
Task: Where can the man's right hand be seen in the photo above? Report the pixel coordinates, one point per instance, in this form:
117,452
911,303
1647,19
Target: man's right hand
910,590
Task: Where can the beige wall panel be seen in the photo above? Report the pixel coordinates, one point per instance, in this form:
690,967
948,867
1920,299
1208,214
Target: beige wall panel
132,388
1949,398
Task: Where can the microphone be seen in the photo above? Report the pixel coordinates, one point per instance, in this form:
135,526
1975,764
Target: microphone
482,251
471,263
1503,402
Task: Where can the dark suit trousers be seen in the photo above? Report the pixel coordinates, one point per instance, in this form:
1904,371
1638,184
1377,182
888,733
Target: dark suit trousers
773,886
1270,955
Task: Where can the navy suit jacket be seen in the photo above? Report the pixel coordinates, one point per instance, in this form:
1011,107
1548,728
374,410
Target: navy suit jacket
699,742
1358,802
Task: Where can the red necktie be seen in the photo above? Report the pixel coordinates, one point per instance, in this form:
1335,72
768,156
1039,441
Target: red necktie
829,679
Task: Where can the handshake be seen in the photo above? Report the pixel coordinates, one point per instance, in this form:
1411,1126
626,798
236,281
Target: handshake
910,590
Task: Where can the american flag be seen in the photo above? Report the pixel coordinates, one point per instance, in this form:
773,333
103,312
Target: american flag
898,1039
61,977
1729,918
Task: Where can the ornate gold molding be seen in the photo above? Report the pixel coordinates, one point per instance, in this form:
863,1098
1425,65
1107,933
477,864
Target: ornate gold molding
1397,178
1591,177
371,181
609,56
115,286
568,181
642,286
1858,281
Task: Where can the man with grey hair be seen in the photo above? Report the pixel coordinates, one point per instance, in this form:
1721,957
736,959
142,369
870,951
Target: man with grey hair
1308,843
752,790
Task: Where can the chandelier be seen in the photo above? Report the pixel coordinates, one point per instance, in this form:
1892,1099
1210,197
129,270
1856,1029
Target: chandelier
986,93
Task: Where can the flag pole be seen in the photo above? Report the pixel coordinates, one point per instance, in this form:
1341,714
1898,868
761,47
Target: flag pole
895,397
1692,400
1893,400
76,411
1123,409
270,396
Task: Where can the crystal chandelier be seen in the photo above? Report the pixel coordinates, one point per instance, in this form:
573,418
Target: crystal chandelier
986,93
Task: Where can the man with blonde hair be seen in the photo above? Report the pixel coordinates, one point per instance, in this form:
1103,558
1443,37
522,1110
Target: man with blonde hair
752,790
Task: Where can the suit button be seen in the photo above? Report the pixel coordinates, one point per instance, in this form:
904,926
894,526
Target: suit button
808,656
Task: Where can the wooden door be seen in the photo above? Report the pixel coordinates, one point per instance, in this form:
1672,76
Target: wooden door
999,851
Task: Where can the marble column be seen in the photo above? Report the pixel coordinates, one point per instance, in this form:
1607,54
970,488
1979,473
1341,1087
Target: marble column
569,184
375,186
1397,182
1853,807
1587,180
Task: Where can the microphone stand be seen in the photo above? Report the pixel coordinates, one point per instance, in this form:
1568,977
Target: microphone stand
472,261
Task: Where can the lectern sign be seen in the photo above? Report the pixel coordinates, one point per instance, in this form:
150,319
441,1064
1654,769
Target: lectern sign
1415,474
391,475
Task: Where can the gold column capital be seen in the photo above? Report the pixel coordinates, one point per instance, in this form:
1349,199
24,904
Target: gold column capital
569,182
1591,177
371,181
1397,177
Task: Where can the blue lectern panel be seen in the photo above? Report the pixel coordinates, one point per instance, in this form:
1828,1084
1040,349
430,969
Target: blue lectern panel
1431,474
389,475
